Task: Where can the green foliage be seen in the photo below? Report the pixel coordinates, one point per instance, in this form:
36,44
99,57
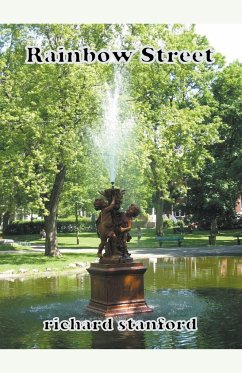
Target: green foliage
227,90
186,116
63,226
69,225
47,112
180,224
168,223
29,227
213,196
176,116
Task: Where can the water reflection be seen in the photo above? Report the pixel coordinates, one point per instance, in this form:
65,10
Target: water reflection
209,288
118,340
196,272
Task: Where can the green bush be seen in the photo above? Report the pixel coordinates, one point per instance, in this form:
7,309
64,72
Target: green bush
180,223
168,223
67,225
24,227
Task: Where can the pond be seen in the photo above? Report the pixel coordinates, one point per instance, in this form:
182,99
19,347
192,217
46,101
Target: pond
209,288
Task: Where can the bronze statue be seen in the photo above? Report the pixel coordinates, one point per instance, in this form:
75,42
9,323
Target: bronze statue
105,225
113,226
126,225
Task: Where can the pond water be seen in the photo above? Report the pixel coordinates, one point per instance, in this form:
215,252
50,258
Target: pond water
209,288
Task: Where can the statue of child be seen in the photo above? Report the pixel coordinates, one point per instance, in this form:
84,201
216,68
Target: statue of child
105,225
126,225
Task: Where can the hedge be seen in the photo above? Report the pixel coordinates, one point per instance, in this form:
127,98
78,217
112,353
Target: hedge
63,226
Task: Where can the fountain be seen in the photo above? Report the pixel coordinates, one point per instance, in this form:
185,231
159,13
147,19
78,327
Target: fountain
180,288
116,136
117,283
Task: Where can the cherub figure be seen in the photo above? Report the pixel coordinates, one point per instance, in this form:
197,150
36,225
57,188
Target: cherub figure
105,225
126,225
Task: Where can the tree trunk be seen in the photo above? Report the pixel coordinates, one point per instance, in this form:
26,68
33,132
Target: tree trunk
214,227
6,217
51,248
159,204
77,224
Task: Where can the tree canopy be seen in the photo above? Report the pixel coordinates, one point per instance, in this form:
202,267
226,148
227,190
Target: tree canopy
182,116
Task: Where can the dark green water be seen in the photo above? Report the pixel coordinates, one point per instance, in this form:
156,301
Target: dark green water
209,288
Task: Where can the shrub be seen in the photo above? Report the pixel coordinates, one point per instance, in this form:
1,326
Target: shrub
24,227
168,223
180,223
67,225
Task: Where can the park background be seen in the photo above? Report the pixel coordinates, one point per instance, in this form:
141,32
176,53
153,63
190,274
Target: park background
169,134
206,16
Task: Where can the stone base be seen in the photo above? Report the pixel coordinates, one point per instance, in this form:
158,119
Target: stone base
117,289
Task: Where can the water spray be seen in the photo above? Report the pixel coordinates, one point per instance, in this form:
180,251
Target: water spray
113,140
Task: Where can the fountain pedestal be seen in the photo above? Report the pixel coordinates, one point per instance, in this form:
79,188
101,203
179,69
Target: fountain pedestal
117,289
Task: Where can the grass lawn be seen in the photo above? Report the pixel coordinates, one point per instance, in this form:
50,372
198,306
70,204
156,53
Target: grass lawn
195,239
38,261
90,240
87,240
15,248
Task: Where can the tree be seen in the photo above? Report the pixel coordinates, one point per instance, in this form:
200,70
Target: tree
213,196
82,184
174,106
227,90
13,115
46,115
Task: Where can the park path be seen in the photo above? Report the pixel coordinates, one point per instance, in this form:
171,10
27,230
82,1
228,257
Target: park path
235,250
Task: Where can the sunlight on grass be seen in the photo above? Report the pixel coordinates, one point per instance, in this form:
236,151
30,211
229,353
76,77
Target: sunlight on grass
40,262
148,239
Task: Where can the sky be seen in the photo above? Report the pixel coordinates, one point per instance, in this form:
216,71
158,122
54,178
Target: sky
225,38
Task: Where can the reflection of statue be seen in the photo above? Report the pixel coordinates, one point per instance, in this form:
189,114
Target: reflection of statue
113,226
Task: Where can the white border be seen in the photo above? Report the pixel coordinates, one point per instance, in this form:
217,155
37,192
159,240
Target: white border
123,11
120,361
